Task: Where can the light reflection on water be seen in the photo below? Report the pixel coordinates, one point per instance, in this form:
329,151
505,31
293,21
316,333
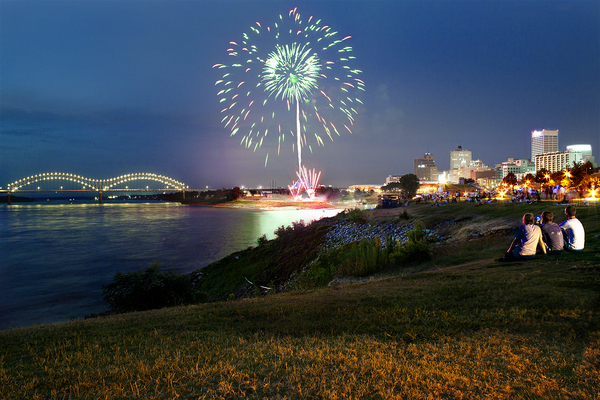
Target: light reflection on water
54,258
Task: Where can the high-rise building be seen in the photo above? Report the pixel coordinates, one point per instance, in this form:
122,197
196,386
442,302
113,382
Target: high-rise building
585,150
561,160
425,168
460,158
557,160
543,141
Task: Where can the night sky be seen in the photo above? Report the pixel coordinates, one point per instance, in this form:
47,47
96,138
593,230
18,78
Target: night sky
104,88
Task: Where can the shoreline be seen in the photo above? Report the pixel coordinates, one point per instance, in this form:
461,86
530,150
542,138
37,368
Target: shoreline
270,204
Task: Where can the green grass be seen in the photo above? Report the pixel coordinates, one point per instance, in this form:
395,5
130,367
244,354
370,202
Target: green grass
457,326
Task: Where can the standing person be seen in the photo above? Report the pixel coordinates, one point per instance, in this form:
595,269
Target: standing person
552,234
527,239
573,231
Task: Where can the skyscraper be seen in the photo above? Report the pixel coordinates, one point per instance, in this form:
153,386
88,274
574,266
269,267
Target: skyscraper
543,141
425,168
460,158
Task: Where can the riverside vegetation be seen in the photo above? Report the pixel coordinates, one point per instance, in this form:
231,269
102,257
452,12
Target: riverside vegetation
433,317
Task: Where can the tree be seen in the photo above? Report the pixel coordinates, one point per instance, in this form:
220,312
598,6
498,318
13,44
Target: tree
542,176
510,179
236,193
358,193
392,187
579,173
410,184
528,177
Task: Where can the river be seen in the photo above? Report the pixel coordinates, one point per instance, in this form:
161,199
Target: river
54,258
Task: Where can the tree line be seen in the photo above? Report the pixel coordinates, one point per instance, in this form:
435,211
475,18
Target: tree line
579,177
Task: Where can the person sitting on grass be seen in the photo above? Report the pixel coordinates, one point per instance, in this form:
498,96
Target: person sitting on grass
527,239
573,231
552,234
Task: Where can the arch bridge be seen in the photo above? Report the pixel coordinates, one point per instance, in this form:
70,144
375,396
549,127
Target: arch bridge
97,184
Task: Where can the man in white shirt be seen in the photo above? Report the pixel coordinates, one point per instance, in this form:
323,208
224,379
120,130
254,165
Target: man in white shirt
574,234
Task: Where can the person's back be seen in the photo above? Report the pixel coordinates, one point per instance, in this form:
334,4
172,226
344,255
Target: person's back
528,236
574,234
552,233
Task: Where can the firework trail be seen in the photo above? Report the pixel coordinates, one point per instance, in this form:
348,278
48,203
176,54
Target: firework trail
292,79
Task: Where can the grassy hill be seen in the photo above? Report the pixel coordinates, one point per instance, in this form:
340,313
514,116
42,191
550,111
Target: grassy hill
458,326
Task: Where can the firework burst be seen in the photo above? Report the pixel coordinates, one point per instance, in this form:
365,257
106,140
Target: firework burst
295,80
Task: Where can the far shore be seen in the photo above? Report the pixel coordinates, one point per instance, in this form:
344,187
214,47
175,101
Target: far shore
277,202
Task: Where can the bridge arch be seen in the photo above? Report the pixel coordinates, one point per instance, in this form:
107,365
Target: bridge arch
97,184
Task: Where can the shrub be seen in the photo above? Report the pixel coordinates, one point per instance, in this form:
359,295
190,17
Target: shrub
361,258
262,240
149,289
415,250
299,226
290,231
367,257
404,216
283,231
353,259
319,274
356,216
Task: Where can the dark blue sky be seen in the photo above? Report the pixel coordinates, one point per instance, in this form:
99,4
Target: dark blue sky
103,88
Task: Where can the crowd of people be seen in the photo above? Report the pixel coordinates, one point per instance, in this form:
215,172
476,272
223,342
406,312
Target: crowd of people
543,235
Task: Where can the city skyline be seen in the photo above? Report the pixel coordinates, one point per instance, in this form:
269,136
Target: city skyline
105,88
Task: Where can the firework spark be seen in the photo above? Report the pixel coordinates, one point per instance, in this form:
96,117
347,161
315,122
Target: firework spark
307,182
296,79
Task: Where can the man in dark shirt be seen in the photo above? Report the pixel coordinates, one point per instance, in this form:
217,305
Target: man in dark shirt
552,234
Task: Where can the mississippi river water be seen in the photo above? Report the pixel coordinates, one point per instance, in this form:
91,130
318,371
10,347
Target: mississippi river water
54,258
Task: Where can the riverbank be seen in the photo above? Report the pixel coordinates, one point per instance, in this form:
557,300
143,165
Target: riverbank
275,202
457,326
283,202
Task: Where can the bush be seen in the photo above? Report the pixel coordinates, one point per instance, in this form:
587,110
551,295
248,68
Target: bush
415,250
367,257
404,216
299,226
357,216
283,231
262,240
361,259
149,289
353,259
290,231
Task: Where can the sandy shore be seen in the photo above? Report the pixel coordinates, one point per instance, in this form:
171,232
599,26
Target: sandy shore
278,202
